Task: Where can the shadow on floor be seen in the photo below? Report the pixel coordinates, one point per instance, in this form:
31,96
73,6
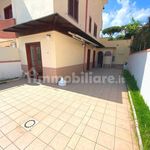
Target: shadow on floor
107,91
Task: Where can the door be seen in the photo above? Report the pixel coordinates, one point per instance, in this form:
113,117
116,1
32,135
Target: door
88,59
34,58
100,59
93,65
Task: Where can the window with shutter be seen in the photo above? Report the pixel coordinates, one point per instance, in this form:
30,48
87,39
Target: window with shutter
73,9
70,7
90,24
95,29
8,12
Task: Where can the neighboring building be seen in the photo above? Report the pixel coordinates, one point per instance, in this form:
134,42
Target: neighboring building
6,19
55,37
116,52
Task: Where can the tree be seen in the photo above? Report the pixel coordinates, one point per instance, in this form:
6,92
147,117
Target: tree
132,28
112,30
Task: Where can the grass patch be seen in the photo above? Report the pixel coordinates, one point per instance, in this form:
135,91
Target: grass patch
142,110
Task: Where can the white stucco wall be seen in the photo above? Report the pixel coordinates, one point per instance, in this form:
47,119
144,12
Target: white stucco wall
10,65
139,66
10,70
26,10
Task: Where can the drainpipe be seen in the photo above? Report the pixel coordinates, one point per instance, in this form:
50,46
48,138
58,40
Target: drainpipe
86,16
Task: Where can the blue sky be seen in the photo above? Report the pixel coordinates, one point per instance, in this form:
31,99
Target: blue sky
120,12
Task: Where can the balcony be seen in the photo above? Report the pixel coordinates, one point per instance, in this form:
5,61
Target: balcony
6,24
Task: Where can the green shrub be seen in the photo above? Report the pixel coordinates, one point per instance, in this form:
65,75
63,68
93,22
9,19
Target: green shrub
142,110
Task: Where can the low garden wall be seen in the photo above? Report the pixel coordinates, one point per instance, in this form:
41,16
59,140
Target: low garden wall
10,64
139,66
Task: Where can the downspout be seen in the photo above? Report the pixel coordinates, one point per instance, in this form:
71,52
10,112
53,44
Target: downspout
86,15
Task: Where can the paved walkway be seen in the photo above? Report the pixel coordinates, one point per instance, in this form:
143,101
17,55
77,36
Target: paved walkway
80,116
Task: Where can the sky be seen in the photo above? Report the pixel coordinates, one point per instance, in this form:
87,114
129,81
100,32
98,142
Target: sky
120,12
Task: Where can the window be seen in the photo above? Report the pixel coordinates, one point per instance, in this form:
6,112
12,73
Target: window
95,29
8,12
73,8
90,24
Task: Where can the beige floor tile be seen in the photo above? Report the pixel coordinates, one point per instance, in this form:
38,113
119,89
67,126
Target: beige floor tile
70,110
68,130
4,121
75,120
4,142
1,134
16,115
10,111
59,142
123,134
65,116
9,127
24,141
48,135
56,113
111,112
122,145
16,133
122,116
79,113
48,120
99,109
57,125
33,112
20,120
48,148
89,113
108,128
92,107
123,124
48,109
106,140
40,116
90,133
67,148
37,145
94,123
73,141
109,119
97,115
84,108
38,129
99,147
2,115
85,120
80,129
85,144
12,147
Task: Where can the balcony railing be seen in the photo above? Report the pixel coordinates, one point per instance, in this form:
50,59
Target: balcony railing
5,24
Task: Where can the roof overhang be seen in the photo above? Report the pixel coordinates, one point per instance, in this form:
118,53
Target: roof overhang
49,23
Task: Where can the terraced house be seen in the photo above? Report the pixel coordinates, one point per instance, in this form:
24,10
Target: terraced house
54,37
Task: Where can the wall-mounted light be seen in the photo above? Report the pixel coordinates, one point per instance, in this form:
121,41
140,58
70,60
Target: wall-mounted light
48,36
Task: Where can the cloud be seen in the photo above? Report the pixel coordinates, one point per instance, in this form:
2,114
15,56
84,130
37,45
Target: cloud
123,15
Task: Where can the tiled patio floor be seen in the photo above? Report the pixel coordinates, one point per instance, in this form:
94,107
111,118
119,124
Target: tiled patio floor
68,119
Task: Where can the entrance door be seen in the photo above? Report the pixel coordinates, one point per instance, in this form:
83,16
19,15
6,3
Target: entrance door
93,65
100,59
34,58
88,59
